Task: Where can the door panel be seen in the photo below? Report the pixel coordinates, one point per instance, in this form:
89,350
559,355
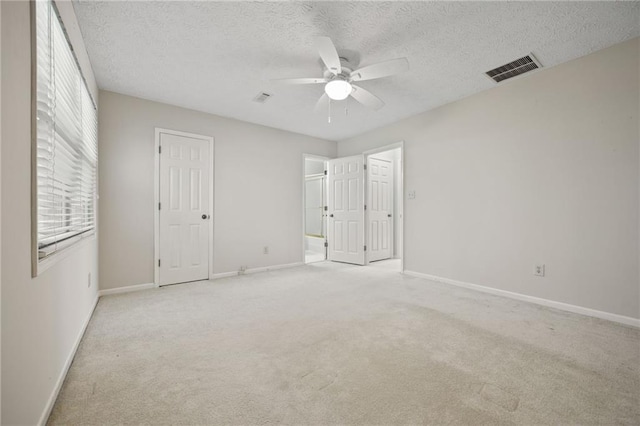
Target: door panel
380,184
184,199
345,204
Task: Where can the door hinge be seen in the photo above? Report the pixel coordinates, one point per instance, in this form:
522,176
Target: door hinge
365,167
326,208
158,263
159,149
326,244
159,206
325,172
365,248
365,206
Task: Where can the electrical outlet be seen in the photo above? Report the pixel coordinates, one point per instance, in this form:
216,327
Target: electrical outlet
412,195
266,250
89,280
538,270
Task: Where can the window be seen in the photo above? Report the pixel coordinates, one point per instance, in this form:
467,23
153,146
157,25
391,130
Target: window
65,142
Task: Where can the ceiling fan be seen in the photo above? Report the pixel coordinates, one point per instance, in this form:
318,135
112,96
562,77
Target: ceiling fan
339,77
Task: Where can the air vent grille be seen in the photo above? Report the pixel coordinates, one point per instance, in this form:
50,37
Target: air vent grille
262,97
513,69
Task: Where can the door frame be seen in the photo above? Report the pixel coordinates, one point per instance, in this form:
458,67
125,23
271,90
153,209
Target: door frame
156,197
304,199
366,154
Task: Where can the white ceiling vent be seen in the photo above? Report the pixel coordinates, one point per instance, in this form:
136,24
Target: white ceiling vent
515,68
262,97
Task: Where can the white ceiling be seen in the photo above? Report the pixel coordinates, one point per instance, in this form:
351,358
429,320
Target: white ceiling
217,56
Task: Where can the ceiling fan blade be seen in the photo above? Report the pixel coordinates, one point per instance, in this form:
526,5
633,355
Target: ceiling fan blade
322,104
381,69
366,98
329,54
300,80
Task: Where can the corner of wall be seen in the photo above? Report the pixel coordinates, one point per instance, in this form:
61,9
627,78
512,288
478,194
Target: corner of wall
500,188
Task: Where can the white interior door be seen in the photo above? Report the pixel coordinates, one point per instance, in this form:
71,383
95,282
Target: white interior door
380,209
345,203
184,216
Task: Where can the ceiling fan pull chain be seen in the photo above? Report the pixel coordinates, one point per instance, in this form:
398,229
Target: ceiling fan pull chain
346,108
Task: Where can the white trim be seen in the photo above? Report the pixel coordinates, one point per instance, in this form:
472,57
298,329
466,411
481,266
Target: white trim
156,212
402,192
156,197
224,275
365,212
256,270
304,204
634,322
63,374
126,289
384,148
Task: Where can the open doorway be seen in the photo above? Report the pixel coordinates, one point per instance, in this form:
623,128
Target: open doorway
353,208
314,214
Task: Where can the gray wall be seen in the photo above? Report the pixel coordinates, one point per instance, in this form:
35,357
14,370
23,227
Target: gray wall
42,318
542,169
258,188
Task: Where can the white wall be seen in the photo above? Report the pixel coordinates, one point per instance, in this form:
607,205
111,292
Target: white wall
42,318
542,169
258,190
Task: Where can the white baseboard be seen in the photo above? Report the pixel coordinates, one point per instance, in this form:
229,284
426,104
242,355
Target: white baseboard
63,374
255,270
126,289
223,275
273,268
635,322
212,277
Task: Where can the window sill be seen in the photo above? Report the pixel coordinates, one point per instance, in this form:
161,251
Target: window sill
49,262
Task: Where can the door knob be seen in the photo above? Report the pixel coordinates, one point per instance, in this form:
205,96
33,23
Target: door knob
389,215
205,216
331,215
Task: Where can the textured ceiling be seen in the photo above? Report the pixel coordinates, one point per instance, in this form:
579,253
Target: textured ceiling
217,56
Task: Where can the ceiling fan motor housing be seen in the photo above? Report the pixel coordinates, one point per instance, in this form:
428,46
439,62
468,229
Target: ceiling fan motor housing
347,69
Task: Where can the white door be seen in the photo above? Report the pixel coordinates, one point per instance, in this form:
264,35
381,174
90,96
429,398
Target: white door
345,202
380,208
184,209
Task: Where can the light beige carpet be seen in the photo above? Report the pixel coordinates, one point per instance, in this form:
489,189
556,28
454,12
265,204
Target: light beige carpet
337,344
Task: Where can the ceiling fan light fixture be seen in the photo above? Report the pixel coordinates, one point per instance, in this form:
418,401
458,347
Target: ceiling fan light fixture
338,89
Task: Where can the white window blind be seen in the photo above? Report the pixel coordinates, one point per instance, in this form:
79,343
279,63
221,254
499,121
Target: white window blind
66,140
